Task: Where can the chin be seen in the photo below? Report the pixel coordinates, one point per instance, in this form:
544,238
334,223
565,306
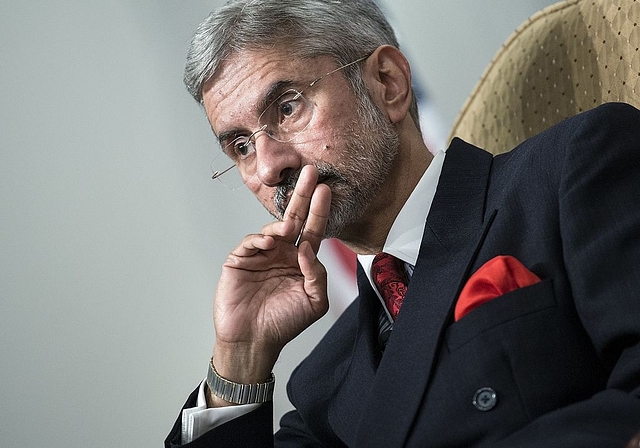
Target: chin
339,225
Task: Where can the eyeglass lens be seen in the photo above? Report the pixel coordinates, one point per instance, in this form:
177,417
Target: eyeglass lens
284,119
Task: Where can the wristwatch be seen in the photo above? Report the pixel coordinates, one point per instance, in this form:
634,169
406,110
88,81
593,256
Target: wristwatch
239,393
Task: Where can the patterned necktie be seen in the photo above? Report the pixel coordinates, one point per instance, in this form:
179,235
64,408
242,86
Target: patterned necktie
390,277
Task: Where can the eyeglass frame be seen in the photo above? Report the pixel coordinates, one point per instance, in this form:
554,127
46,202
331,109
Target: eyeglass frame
252,137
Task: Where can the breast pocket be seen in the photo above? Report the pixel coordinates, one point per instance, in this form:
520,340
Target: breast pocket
500,311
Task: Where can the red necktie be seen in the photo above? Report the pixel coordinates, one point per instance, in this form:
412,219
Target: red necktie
390,277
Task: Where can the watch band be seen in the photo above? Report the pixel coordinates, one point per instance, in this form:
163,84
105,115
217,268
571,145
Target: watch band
239,393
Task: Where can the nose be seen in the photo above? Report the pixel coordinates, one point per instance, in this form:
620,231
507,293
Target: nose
275,160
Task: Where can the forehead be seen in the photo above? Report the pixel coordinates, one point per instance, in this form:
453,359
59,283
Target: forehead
234,95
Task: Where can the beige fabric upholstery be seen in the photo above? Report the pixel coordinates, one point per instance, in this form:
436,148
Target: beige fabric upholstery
567,58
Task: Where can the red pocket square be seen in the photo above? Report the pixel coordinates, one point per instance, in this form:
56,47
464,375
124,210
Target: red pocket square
496,277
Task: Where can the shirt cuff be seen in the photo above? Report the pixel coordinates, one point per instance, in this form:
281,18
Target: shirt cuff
200,419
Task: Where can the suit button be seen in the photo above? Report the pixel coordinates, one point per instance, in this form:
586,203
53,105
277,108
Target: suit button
485,399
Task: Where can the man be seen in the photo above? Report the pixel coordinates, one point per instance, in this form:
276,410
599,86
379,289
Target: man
520,323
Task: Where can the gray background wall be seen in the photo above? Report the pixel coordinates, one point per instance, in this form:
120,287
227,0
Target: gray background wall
111,231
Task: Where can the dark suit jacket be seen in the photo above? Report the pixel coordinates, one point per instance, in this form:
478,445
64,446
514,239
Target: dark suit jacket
562,356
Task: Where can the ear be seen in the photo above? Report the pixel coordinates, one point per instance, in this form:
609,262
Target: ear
387,75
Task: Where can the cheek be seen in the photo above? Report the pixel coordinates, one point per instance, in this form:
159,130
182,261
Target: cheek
262,193
335,113
326,139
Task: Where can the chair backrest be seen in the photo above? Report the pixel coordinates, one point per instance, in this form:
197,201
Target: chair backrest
565,59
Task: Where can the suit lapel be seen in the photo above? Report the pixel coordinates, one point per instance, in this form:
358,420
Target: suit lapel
455,228
357,379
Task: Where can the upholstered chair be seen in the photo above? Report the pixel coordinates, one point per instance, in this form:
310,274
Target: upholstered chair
567,58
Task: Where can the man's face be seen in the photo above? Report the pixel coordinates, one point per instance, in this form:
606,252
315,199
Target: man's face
348,139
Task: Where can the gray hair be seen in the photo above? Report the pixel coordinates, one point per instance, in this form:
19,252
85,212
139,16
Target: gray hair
342,29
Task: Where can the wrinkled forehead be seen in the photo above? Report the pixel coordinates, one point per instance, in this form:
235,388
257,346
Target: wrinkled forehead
247,80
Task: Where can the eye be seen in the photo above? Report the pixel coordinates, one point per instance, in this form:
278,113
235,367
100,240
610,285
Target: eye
288,106
287,116
240,148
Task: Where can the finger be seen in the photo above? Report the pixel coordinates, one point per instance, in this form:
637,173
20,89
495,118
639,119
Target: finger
252,244
298,206
255,253
315,278
316,222
279,228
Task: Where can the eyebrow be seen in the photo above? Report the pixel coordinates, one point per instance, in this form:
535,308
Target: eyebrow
272,94
275,89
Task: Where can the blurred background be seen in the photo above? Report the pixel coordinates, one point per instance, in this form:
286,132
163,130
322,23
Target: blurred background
112,232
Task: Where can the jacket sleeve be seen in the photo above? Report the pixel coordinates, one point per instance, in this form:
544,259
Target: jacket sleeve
254,429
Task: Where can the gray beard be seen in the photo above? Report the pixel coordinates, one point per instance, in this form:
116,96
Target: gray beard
368,157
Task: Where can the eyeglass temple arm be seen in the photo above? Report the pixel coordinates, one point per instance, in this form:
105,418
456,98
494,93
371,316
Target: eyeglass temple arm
217,174
340,68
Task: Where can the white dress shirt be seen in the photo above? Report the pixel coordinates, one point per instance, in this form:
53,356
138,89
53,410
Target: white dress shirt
403,242
405,236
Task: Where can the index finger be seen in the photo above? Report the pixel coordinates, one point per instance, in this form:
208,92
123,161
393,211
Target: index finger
298,207
316,222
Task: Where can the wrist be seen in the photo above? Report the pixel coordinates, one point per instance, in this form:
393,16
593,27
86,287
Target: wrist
243,363
224,392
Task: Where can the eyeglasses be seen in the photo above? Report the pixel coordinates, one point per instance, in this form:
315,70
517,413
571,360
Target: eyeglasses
282,120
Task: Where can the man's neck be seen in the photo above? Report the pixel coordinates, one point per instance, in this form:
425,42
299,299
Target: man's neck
368,235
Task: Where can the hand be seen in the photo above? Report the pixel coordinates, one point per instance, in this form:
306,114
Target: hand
270,290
